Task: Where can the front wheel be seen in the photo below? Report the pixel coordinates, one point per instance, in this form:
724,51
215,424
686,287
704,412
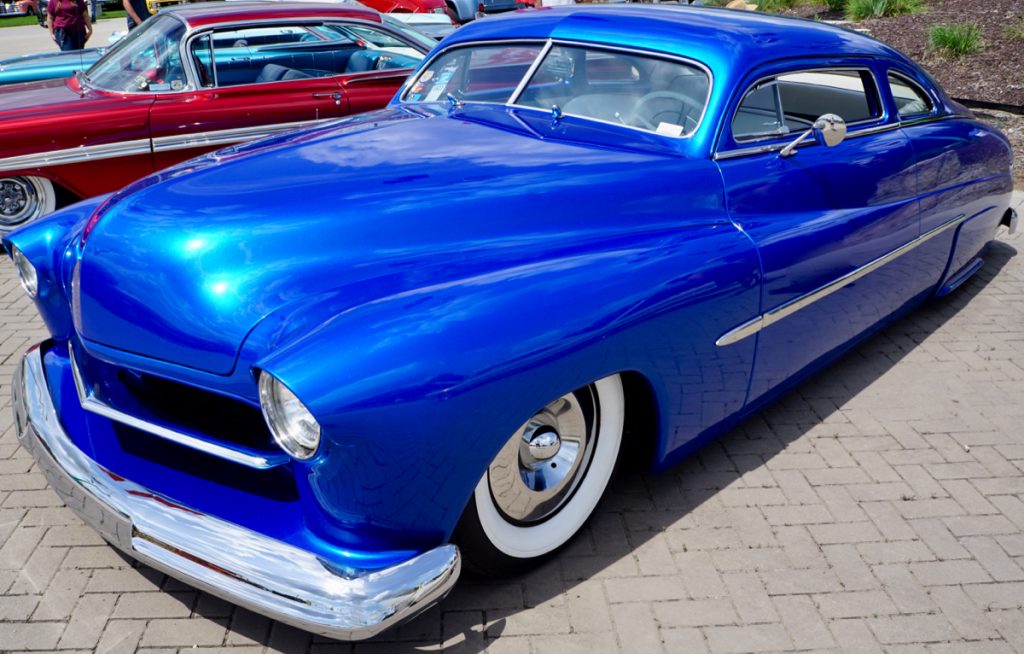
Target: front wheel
23,199
545,482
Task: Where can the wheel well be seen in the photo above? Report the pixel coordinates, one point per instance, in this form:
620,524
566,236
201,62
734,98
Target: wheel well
640,432
64,195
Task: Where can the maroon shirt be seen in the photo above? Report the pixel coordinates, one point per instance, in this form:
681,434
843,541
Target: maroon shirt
68,14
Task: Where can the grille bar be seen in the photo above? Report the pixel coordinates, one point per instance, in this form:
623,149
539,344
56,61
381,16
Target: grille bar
93,404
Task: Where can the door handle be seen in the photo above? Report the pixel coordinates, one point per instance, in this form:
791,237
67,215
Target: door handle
336,96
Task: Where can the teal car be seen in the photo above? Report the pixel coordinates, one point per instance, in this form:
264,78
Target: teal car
47,65
58,65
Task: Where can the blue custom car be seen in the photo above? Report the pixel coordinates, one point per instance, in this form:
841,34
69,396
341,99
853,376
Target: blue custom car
318,373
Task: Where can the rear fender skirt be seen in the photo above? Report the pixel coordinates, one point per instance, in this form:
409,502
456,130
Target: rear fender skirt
960,277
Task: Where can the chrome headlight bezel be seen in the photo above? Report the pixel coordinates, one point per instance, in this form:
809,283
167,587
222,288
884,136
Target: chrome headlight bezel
27,274
292,425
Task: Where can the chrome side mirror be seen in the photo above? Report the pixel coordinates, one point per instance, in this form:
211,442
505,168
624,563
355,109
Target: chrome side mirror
831,127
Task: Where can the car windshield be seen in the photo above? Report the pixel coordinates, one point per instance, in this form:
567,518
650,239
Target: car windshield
409,32
148,59
644,92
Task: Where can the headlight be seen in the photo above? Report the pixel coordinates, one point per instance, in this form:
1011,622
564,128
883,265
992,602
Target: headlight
293,426
26,272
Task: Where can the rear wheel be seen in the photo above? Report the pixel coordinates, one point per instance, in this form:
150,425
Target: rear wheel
23,199
545,482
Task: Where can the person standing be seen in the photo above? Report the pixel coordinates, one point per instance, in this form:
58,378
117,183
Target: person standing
135,11
69,24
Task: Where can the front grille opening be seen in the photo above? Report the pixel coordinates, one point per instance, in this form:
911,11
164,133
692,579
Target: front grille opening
199,412
276,484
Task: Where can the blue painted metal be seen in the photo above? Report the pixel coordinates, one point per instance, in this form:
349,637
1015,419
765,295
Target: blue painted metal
49,65
431,270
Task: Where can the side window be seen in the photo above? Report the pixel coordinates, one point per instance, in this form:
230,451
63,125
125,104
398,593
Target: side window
276,53
202,57
380,50
911,99
792,102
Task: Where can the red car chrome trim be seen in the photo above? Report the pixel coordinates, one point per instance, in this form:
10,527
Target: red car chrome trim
76,155
146,146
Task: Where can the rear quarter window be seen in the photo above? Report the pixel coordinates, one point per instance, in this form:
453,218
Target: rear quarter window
911,99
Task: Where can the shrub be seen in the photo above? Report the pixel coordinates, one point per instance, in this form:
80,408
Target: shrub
861,9
775,5
835,5
955,40
1016,30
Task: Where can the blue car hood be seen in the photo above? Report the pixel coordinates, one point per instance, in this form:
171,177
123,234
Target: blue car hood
185,264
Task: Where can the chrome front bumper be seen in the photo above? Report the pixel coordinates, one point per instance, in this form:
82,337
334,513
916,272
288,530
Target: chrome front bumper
260,573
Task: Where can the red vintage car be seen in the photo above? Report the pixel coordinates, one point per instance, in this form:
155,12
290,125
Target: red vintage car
191,79
21,8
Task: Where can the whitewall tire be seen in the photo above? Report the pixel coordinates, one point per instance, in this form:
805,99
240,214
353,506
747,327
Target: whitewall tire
546,481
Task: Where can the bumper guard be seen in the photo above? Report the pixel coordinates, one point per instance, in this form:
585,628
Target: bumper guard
265,575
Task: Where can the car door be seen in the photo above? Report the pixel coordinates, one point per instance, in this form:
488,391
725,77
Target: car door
823,218
249,82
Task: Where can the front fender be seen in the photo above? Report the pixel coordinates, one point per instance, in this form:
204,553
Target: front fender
50,244
417,391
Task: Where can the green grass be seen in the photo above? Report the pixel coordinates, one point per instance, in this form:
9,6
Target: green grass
1016,30
14,21
861,9
775,5
31,20
955,40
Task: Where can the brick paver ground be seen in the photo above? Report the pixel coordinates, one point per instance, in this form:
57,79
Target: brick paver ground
880,508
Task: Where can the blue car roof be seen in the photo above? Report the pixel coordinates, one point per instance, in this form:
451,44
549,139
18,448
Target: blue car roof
717,37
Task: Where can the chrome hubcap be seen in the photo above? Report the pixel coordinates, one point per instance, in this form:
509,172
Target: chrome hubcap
19,200
538,469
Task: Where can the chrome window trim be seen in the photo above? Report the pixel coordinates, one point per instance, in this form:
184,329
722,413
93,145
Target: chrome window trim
90,403
775,147
530,72
744,149
149,146
880,129
548,44
787,309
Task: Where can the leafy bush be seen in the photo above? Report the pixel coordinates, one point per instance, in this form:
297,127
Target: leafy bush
861,9
955,40
835,5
